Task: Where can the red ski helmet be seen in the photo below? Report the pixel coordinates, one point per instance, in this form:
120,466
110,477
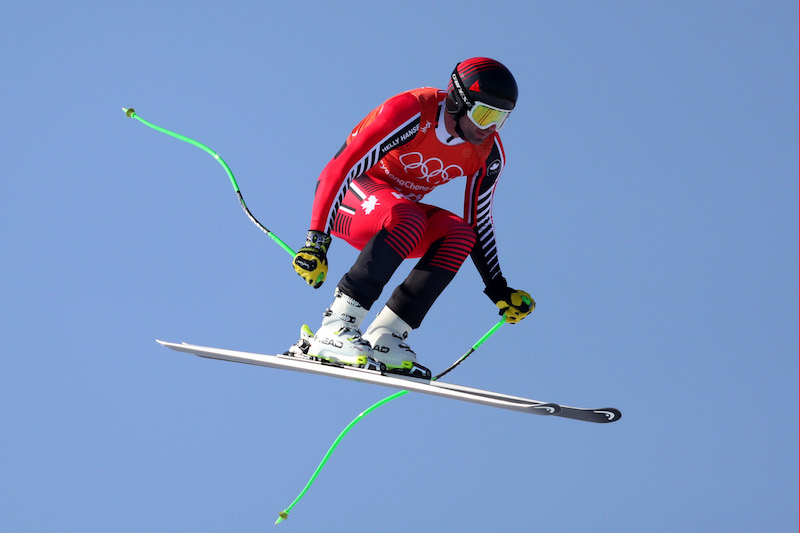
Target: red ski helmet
480,79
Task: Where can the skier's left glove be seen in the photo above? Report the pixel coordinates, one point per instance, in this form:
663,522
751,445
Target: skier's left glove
514,304
311,261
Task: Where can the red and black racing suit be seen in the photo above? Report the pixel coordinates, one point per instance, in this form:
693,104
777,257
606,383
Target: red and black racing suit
369,195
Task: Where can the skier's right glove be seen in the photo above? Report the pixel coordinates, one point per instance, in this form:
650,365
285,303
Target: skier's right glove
311,261
514,304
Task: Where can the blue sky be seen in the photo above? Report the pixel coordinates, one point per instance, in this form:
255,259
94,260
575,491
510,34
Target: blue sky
649,204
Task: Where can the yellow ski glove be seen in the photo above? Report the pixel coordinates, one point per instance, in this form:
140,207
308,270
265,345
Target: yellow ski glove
311,261
513,304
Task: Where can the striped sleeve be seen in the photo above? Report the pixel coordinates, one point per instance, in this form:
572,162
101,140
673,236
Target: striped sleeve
393,124
478,200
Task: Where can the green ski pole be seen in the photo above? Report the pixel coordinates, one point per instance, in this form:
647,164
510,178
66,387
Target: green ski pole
283,515
130,113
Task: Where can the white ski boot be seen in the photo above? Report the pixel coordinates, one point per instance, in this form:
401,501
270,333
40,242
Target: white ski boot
339,340
387,335
300,348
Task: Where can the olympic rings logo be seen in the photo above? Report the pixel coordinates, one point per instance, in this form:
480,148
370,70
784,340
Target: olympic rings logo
430,170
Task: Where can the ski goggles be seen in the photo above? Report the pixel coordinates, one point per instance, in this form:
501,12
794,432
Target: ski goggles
484,115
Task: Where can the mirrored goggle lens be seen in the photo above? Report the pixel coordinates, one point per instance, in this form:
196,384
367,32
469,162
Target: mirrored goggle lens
484,116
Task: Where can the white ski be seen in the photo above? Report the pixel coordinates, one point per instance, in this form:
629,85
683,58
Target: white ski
434,388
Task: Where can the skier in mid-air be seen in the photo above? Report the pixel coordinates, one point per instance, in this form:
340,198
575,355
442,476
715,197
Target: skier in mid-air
370,195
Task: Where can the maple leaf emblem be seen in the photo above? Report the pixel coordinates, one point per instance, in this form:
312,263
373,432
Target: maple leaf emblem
370,204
